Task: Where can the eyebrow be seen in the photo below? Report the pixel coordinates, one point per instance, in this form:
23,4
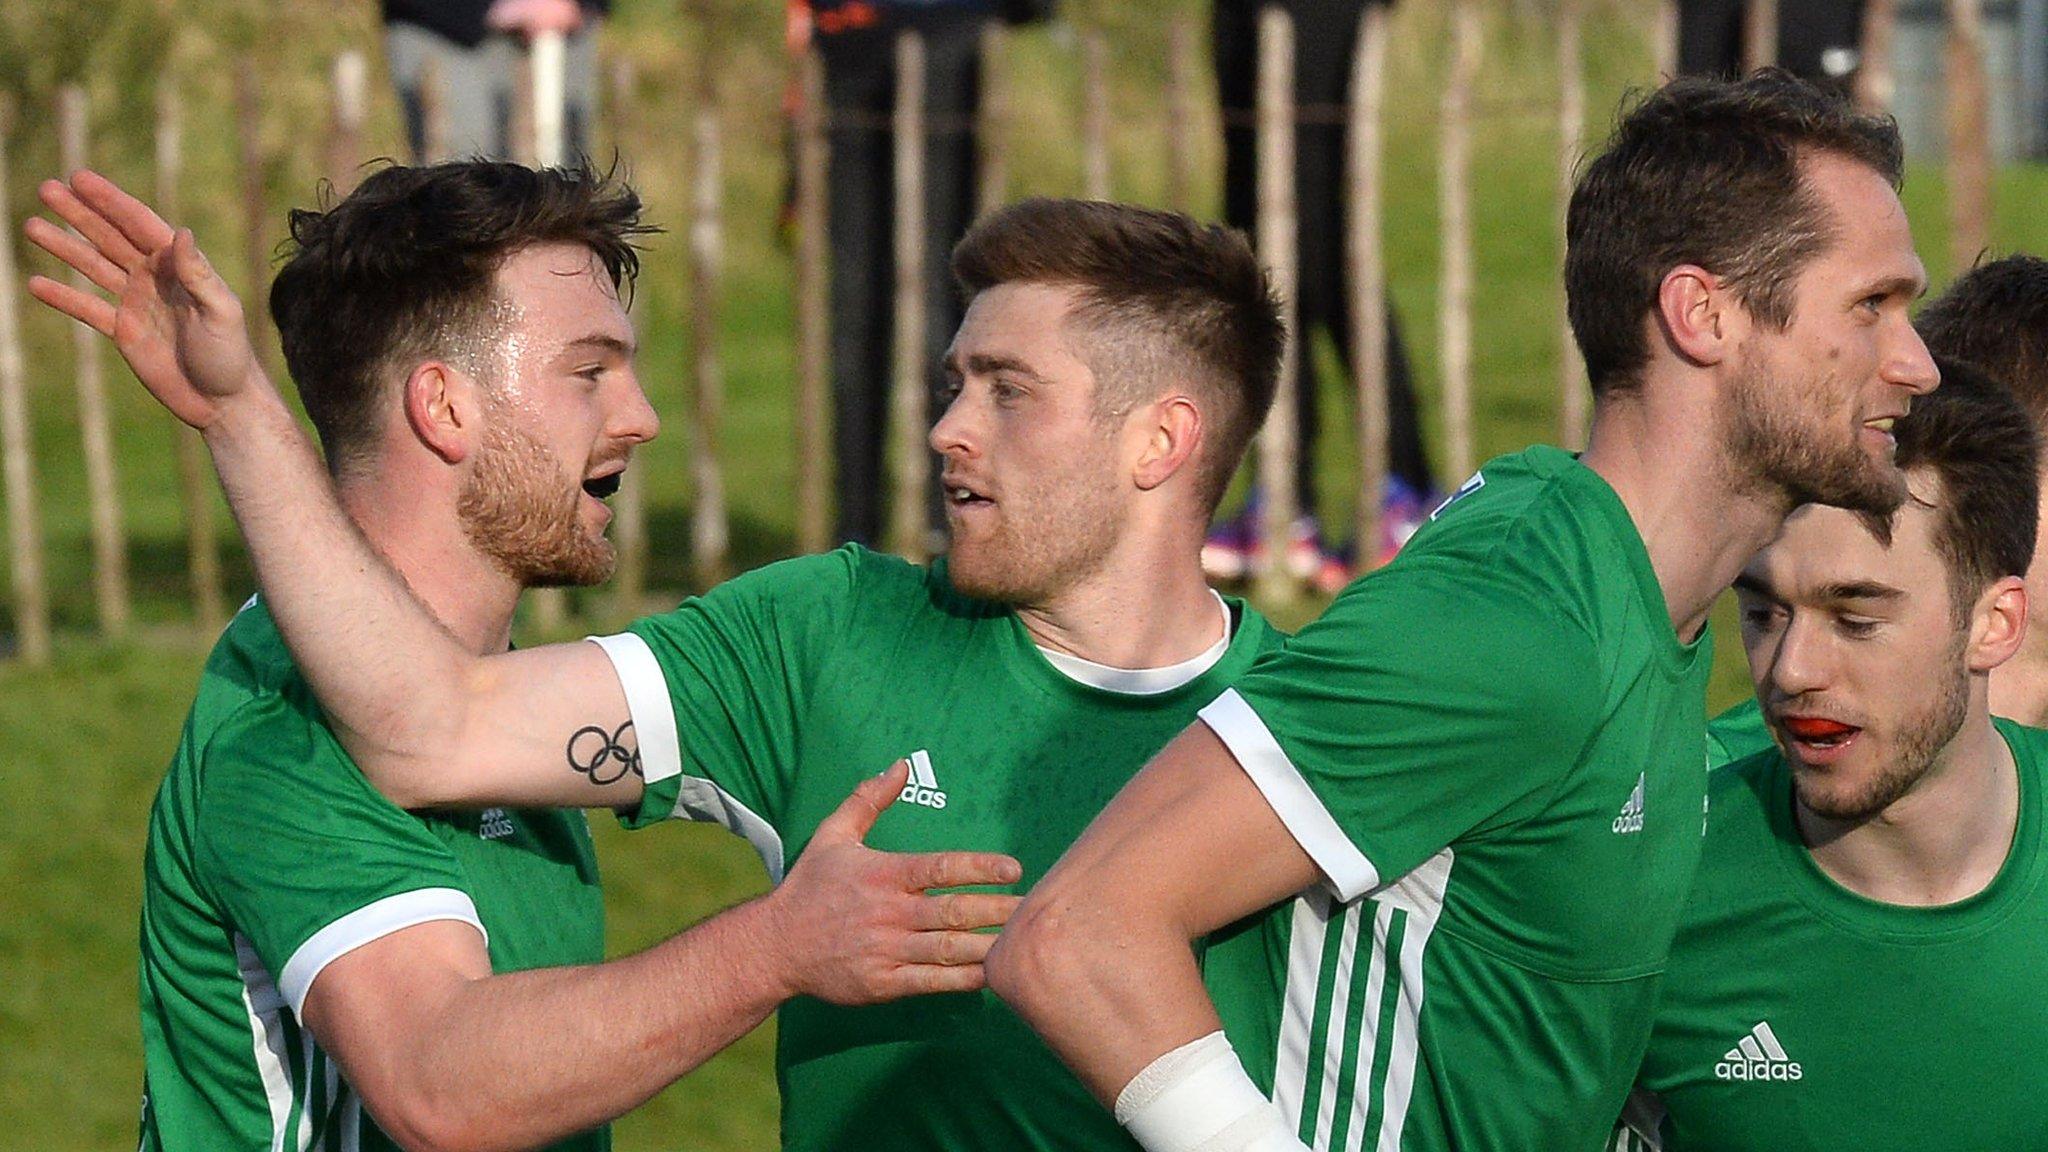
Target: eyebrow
603,343
1910,286
988,363
1828,593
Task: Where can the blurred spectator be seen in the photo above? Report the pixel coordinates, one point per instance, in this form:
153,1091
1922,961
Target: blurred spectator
1325,41
857,41
1818,40
475,50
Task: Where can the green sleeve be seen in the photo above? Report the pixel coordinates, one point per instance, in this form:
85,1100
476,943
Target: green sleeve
1737,734
718,688
1427,705
307,859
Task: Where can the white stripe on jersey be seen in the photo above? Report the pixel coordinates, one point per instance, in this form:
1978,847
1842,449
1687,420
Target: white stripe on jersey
1419,897
265,1007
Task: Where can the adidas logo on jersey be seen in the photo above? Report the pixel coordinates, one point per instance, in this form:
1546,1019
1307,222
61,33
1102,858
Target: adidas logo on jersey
924,783
1631,818
494,824
1758,1057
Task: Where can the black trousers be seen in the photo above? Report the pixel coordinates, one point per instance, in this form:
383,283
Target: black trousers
1325,39
860,92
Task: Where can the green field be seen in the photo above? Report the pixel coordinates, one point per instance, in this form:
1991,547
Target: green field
83,742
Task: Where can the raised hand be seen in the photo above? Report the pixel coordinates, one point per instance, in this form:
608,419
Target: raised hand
860,925
173,318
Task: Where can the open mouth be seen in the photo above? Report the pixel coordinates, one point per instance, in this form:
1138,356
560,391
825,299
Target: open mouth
961,496
602,487
1818,733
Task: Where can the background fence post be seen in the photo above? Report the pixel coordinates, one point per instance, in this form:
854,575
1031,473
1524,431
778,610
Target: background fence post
1574,399
1454,187
992,132
709,537
1181,116
1759,34
1876,81
629,524
908,520
1095,182
537,135
1969,136
195,480
1276,242
1368,276
813,315
109,547
24,520
345,128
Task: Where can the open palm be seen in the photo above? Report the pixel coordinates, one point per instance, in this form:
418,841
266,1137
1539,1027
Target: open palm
174,320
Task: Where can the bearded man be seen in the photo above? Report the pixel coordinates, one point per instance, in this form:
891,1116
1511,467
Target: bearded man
318,965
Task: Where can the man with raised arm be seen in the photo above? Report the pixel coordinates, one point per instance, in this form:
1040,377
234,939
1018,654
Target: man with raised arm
1442,837
1995,317
1113,364
1858,965
320,968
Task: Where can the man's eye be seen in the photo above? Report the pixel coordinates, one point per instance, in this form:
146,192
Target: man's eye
1857,626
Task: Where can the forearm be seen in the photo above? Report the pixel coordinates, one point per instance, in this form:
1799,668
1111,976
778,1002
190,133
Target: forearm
389,676
526,1058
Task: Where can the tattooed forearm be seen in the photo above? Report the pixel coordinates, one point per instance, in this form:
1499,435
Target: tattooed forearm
605,756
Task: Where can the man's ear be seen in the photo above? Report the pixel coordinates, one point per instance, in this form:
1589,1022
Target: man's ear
1171,431
1998,624
444,409
1699,316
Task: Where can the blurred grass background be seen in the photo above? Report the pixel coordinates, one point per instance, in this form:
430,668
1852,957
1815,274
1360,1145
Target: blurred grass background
83,742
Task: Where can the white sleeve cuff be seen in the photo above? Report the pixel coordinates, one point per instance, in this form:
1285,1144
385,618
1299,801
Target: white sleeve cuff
1346,870
648,701
661,751
368,923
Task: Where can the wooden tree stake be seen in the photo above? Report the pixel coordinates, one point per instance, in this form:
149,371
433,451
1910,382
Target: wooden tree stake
908,521
1276,241
1095,115
1574,398
1455,189
24,519
813,316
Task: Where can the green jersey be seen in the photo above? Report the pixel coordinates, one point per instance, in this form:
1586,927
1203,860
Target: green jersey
1737,733
1492,748
761,704
269,856
1798,1014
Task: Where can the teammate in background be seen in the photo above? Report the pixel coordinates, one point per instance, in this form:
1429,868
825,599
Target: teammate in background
1113,365
1995,318
1871,892
311,953
1444,836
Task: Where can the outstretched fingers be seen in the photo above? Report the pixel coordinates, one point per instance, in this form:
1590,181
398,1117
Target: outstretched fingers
963,911
81,306
958,869
137,223
75,252
850,822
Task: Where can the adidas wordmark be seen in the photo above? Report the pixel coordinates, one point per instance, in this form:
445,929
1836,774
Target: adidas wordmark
1758,1056
1631,818
924,783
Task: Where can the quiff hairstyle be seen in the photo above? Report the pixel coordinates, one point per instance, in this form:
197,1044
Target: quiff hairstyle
404,269
1706,172
1162,298
1985,454
1996,318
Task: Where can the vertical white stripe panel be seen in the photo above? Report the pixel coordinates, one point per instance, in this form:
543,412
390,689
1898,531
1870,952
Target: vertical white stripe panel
1298,1008
309,1125
265,1007
1333,1034
1369,1025
352,1124
1422,892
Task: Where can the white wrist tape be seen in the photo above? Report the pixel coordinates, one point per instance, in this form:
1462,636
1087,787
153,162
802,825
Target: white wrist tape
1197,1098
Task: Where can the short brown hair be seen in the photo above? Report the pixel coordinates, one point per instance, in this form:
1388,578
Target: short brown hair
1706,172
1982,447
1996,317
1180,294
407,264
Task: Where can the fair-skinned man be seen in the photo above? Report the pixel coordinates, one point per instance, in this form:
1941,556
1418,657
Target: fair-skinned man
1113,364
1856,954
1463,807
310,952
1995,318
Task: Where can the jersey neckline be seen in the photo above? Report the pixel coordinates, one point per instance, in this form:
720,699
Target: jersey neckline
2008,891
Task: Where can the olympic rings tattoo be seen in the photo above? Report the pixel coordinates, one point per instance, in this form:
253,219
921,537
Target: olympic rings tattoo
604,756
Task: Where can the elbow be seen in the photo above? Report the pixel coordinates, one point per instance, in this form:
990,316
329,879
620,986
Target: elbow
425,1121
1040,952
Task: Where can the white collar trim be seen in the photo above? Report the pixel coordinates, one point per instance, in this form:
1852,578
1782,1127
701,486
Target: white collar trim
1144,681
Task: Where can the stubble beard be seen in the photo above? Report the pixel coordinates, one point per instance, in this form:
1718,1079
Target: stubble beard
1047,541
519,508
1768,445
1920,739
